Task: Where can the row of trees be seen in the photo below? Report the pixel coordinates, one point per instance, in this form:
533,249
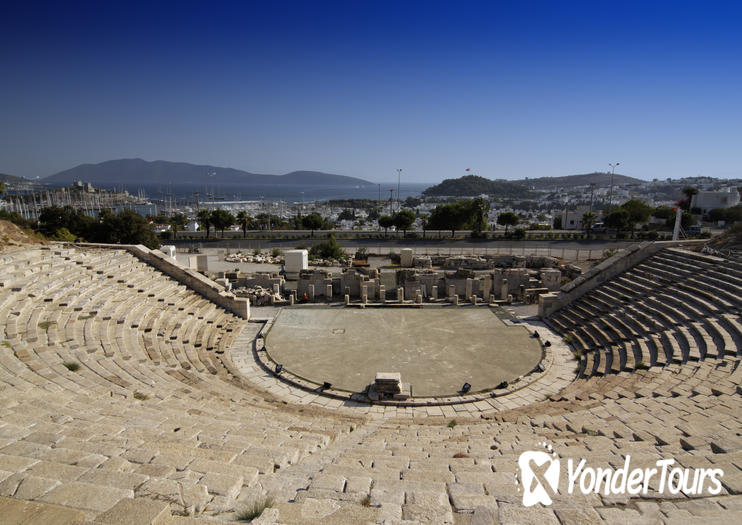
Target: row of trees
632,212
124,227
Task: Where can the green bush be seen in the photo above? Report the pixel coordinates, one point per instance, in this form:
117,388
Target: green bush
254,510
329,249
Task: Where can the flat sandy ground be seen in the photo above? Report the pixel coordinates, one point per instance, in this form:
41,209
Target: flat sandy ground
436,349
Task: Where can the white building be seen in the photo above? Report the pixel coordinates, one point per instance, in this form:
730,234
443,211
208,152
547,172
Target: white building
708,200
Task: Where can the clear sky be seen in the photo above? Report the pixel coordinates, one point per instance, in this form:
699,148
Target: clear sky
507,89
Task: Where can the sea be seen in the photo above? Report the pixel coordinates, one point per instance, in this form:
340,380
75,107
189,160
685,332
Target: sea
186,193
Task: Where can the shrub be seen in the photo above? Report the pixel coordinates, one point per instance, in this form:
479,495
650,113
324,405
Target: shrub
276,252
366,501
641,365
71,366
140,397
452,423
395,258
361,254
329,249
254,510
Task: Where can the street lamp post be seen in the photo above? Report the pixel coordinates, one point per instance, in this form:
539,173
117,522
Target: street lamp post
399,178
610,191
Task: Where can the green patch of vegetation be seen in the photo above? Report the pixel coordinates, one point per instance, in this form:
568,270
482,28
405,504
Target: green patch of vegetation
140,396
568,338
71,366
46,324
276,252
366,501
85,317
329,249
5,344
254,510
452,423
641,365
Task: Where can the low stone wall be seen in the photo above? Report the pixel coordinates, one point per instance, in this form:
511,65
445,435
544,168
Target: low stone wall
192,279
605,271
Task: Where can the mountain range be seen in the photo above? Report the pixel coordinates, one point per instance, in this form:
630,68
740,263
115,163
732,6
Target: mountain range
138,171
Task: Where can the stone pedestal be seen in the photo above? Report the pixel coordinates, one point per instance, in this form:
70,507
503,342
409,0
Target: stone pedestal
474,300
434,293
468,289
310,292
451,291
492,298
504,290
291,300
328,292
347,299
382,293
405,258
400,294
455,300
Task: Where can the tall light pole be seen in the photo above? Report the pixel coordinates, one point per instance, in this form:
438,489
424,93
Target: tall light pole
610,192
399,178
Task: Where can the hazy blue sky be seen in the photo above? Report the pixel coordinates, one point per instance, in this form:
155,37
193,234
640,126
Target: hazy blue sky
508,89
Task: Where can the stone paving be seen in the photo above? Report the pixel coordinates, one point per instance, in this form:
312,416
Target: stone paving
127,398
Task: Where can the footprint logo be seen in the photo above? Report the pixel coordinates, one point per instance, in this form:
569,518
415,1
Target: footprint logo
539,476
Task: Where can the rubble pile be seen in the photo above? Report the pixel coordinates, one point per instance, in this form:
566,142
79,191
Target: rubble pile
258,295
262,258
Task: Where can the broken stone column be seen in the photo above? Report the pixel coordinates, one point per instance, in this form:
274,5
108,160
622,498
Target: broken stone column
469,286
328,292
455,300
310,292
400,294
474,300
504,289
486,285
492,298
291,300
364,299
382,293
277,289
347,299
434,293
451,291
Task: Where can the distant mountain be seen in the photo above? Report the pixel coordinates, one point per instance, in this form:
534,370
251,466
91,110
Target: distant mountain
138,171
4,177
570,181
472,185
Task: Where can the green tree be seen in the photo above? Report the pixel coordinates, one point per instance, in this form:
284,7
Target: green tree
346,215
313,221
125,227
588,219
404,219
386,222
686,220
508,219
618,220
688,191
638,212
221,220
204,220
2,187
244,220
177,222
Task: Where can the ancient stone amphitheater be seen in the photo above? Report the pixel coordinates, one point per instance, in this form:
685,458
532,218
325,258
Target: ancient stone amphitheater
127,398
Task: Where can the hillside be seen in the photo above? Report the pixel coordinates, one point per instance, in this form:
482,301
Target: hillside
4,177
472,185
138,171
570,181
